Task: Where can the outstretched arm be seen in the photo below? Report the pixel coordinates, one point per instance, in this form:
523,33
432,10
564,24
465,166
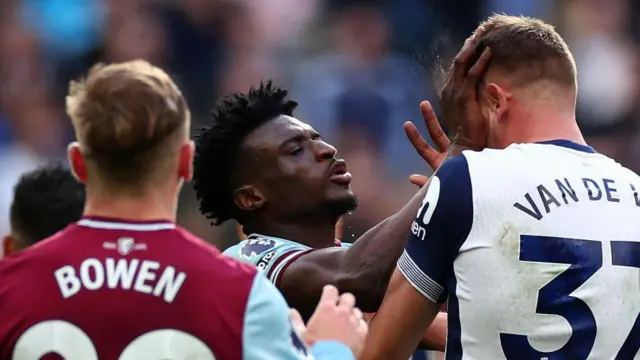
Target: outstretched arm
435,337
423,277
365,267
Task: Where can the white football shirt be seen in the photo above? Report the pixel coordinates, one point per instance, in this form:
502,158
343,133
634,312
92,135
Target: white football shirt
537,250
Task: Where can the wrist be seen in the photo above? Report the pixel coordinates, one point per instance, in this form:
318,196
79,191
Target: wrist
460,144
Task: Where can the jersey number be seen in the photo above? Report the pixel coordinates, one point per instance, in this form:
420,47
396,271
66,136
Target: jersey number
584,258
71,343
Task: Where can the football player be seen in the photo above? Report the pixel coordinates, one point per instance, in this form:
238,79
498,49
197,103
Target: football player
529,234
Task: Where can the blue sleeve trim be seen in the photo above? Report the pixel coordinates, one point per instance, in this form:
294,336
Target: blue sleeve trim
442,225
333,350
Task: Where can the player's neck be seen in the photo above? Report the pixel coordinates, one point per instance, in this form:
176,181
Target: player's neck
318,236
545,126
133,208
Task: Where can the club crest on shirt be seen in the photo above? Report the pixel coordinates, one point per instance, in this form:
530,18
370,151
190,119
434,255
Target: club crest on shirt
256,246
125,245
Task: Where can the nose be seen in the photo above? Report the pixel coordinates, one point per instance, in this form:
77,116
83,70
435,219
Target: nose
324,151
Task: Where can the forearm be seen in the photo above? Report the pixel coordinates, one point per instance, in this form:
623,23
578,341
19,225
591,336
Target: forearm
370,261
435,337
372,258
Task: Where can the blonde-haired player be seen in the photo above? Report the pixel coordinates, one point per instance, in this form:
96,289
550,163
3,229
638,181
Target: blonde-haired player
530,235
125,282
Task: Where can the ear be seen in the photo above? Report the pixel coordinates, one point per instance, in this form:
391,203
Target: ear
76,161
185,162
248,198
497,99
9,245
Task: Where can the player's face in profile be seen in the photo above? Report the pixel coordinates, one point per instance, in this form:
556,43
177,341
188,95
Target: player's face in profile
299,169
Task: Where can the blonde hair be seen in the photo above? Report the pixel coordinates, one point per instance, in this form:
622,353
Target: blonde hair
130,119
527,49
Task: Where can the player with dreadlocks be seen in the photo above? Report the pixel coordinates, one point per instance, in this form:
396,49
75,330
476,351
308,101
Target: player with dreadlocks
275,175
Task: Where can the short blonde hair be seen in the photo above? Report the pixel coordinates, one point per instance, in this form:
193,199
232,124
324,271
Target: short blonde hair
129,118
528,49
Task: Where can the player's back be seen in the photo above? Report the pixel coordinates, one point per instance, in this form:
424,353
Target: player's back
550,268
116,290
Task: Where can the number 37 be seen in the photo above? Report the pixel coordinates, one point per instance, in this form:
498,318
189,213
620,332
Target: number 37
585,259
71,343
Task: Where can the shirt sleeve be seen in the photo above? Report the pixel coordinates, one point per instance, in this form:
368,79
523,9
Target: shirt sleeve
441,226
270,256
269,335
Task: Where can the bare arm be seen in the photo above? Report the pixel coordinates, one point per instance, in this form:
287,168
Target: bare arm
435,337
364,269
424,277
403,316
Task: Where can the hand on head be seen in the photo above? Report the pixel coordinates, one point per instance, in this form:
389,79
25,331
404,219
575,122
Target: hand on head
460,108
458,98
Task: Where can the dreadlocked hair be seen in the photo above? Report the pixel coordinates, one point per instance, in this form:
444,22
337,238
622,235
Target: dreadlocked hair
218,146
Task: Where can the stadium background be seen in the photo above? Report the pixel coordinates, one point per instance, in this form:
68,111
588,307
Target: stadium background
358,68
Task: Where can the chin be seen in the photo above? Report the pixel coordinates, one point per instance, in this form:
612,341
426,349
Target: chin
343,203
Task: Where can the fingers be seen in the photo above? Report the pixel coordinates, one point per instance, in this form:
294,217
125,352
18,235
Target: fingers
357,313
416,139
426,152
363,323
473,76
423,149
460,63
347,300
418,180
329,296
433,126
363,327
461,60
479,67
296,320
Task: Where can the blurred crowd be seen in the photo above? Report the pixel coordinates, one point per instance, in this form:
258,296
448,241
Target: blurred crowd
358,68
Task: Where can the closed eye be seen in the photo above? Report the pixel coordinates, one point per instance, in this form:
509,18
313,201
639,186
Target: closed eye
296,150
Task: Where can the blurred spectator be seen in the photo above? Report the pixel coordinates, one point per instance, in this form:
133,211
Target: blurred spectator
360,59
33,129
196,42
65,28
359,69
277,25
362,125
539,8
597,31
246,57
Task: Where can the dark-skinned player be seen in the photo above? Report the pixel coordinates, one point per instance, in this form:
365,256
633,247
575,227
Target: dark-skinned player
259,165
45,201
